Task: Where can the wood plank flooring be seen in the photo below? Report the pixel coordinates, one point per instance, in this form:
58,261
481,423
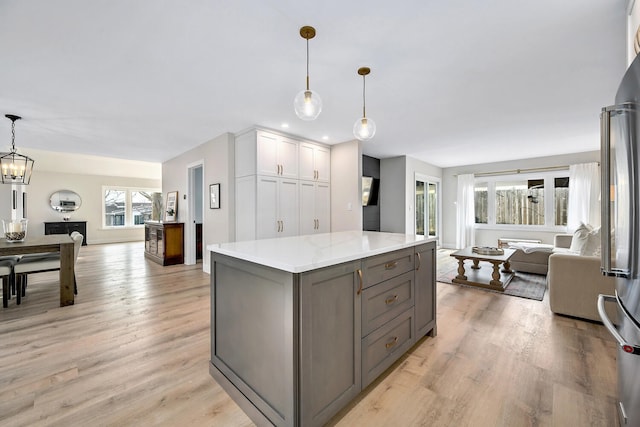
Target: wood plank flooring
134,351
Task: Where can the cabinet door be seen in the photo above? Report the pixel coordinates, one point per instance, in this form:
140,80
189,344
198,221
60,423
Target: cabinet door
267,145
267,225
330,355
288,207
323,207
314,162
307,207
322,161
425,284
288,158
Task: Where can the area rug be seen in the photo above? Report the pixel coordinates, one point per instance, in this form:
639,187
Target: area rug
523,285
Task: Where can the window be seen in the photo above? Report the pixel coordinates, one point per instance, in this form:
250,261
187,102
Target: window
481,203
127,207
520,200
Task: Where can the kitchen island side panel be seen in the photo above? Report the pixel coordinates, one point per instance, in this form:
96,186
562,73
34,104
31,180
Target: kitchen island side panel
253,334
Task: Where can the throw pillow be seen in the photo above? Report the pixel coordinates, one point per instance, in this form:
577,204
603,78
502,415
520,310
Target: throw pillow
592,246
579,239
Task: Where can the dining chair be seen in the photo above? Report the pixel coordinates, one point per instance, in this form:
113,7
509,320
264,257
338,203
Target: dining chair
39,263
7,276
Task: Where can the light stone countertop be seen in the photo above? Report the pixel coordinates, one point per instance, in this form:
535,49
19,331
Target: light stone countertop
305,253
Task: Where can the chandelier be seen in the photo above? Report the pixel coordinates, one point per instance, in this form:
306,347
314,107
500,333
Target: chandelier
14,167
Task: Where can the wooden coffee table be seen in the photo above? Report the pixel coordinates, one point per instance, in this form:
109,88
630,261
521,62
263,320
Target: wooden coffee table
496,279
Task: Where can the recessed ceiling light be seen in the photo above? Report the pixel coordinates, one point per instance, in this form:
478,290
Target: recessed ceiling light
285,125
325,138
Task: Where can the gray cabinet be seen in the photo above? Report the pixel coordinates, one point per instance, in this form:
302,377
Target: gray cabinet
425,283
293,349
329,342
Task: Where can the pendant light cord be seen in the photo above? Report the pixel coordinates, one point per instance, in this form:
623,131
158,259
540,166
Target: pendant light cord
364,101
307,64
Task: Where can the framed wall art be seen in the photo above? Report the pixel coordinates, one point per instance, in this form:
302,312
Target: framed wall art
171,208
214,196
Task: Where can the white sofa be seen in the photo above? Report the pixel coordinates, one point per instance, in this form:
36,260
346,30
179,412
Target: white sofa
575,281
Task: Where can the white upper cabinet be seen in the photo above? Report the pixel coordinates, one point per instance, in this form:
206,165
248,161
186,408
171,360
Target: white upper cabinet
277,155
314,162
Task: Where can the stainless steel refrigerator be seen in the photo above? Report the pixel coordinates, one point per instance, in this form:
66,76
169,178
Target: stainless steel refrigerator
620,201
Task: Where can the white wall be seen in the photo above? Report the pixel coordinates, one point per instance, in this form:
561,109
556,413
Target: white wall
86,175
346,186
218,163
488,237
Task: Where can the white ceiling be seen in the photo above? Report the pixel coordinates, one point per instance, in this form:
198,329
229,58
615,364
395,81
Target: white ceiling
453,82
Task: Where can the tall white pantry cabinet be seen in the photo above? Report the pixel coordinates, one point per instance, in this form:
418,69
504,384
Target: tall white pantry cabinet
282,186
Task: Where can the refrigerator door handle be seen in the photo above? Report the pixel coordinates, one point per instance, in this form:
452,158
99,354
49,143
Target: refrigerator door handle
605,176
606,197
626,346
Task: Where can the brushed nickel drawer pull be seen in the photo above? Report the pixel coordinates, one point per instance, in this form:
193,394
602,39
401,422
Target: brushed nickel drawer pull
391,300
390,265
360,279
392,343
419,261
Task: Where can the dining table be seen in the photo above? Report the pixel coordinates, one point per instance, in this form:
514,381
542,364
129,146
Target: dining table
62,243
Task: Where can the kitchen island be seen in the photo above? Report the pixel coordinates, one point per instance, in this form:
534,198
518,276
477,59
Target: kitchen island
300,325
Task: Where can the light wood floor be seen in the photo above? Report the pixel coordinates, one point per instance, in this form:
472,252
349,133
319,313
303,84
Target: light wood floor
134,351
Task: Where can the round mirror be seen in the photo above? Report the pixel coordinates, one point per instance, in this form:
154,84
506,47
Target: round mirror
65,201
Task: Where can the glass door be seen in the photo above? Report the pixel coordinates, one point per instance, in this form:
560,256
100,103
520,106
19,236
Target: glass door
427,207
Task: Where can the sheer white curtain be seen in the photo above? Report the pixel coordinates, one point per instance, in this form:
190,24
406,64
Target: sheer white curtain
584,195
465,216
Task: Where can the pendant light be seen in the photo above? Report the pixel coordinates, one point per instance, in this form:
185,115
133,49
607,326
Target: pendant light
307,103
365,128
15,168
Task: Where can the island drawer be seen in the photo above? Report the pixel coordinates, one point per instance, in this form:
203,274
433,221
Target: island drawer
385,345
385,266
386,300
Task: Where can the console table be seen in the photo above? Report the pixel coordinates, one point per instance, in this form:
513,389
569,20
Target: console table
67,227
164,242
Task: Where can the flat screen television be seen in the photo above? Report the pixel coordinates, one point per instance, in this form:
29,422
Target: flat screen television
369,191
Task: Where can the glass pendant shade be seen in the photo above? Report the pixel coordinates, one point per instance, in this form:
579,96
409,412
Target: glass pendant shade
307,104
364,129
15,168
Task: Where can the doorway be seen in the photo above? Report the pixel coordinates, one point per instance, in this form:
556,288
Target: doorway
194,226
427,193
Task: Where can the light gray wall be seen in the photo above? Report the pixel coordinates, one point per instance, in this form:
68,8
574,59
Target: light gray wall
490,237
397,192
392,194
199,191
346,186
217,156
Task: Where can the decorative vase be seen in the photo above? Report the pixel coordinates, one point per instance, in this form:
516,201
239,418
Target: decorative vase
14,230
